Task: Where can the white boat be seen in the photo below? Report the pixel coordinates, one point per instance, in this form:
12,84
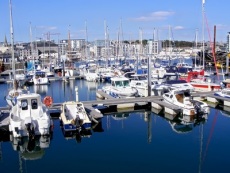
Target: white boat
120,87
91,75
19,75
106,73
183,65
40,78
71,71
73,116
140,83
179,83
182,98
14,93
29,116
225,92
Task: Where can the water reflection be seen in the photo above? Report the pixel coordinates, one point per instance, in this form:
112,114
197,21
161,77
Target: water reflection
31,148
182,124
81,133
120,115
41,89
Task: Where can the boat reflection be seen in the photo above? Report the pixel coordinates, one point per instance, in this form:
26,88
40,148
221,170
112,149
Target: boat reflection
184,123
41,89
31,148
80,133
120,115
77,134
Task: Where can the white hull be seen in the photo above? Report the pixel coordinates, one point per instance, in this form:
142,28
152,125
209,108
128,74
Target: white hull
74,116
41,81
29,117
122,92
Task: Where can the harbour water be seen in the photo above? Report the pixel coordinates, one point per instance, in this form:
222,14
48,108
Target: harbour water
136,141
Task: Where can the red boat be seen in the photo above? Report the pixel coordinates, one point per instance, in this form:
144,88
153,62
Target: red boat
200,82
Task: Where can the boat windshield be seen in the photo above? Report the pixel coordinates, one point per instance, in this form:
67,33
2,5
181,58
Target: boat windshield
226,92
124,83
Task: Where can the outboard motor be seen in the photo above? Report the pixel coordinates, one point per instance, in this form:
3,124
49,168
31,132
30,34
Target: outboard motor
197,107
30,129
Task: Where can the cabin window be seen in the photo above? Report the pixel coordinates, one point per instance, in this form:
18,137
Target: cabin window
118,83
166,95
126,83
24,104
34,103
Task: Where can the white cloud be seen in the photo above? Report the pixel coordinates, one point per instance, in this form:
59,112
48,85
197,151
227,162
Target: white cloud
47,27
178,27
158,15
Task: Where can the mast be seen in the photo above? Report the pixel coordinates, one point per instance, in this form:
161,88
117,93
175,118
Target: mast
86,42
12,44
203,2
106,42
32,47
196,44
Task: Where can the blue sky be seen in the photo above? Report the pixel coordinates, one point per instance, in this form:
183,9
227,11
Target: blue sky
60,16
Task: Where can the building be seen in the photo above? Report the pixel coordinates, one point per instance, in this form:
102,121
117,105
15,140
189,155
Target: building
154,47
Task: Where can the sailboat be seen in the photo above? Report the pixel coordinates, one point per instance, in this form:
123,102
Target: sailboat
16,90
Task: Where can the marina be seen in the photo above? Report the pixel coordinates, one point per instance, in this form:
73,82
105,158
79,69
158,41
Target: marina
114,105
115,134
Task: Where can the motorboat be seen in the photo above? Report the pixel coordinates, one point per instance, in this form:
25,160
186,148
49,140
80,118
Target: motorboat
179,83
120,87
73,116
29,117
106,73
91,75
40,78
140,82
182,98
183,65
225,92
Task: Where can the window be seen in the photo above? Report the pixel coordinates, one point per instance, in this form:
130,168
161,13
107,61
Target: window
126,83
24,104
34,103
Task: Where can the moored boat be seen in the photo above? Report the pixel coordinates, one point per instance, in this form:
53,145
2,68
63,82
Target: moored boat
73,116
29,117
182,98
120,87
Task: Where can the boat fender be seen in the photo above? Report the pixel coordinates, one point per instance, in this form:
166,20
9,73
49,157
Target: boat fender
48,101
228,85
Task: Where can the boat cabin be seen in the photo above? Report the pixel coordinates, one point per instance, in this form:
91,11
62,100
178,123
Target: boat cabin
120,82
29,105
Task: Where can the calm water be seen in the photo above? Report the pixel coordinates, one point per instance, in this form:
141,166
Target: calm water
122,142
